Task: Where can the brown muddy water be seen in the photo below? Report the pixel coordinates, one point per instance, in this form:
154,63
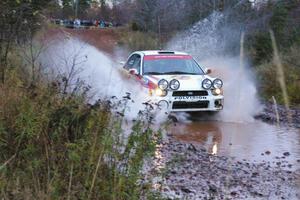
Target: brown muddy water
254,142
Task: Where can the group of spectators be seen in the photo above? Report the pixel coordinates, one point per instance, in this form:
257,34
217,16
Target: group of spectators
78,23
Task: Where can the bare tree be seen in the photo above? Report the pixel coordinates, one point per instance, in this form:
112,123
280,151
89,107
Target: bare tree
16,18
30,49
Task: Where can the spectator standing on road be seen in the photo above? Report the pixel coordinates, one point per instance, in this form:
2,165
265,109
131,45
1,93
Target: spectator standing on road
77,23
102,24
96,23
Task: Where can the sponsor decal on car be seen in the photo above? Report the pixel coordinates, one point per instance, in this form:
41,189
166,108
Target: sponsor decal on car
190,98
167,57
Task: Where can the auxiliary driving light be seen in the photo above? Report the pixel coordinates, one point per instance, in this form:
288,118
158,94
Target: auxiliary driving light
206,84
163,104
163,84
217,83
174,84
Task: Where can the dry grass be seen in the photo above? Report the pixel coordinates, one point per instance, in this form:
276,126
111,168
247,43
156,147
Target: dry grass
136,40
56,146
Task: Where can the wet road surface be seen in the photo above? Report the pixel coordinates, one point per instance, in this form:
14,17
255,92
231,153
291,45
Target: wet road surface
221,160
255,142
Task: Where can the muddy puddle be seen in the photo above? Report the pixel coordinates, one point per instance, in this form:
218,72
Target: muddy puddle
254,142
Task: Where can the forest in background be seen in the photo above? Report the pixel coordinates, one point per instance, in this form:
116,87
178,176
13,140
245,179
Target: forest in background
151,23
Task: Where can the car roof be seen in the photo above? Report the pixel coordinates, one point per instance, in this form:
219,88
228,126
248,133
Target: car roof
160,52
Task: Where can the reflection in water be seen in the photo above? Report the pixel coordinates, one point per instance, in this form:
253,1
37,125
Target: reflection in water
210,135
244,141
215,149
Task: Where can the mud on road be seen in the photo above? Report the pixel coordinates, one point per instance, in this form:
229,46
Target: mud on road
188,171
289,117
213,160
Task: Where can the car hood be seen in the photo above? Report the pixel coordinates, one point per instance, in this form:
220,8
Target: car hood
187,82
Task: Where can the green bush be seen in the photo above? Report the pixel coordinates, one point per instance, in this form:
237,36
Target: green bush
136,40
135,26
268,78
56,146
261,47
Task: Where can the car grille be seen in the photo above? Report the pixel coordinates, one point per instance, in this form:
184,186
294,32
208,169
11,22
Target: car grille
190,93
190,105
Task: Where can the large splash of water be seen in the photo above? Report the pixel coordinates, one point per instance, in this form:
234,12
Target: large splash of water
215,44
76,60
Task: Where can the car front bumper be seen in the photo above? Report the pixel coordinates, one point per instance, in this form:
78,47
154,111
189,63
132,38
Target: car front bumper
209,102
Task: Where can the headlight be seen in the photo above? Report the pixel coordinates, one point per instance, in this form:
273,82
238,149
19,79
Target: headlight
174,84
218,83
160,92
206,84
217,91
163,84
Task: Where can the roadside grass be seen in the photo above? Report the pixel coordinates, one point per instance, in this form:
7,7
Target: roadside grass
138,40
57,146
268,78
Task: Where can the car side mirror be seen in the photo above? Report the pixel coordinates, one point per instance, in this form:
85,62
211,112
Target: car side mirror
208,71
133,71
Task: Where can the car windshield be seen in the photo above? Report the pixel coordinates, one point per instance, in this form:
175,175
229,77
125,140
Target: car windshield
170,64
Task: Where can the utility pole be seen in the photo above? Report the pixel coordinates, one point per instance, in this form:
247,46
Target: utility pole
76,8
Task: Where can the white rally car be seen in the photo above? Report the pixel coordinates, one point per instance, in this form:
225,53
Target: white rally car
175,81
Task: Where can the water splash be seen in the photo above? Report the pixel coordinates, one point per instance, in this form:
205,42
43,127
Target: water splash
214,43
73,58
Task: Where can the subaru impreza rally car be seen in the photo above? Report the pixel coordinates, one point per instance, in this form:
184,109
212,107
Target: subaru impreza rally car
175,81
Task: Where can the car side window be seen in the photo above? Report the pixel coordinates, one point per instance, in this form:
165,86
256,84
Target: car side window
130,62
133,62
137,63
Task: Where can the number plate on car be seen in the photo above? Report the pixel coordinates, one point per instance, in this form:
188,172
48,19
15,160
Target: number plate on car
190,98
